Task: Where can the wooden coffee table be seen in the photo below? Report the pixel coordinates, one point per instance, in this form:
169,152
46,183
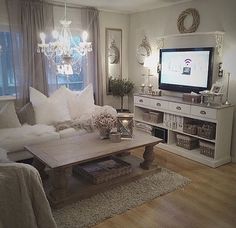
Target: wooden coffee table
60,155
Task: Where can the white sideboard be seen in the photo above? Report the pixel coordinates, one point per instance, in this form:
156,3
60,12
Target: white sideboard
221,116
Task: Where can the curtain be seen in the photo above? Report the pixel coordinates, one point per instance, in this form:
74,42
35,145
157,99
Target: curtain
90,19
27,18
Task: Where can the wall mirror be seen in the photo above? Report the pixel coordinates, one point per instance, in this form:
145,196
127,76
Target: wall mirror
113,55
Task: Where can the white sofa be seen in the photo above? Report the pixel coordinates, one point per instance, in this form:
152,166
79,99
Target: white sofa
62,106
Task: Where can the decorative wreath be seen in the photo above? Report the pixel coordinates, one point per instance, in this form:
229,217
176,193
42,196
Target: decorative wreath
196,20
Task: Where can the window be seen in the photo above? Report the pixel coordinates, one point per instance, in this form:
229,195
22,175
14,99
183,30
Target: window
72,82
7,79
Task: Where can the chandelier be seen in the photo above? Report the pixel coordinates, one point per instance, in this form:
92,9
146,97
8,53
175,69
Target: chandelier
63,50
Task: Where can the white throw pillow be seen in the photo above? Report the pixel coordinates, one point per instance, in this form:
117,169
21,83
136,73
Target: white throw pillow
48,110
8,117
83,103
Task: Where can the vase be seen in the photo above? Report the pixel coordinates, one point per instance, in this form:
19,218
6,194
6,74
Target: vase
104,132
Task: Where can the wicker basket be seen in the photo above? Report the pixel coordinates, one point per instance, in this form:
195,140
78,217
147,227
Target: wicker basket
207,149
190,128
146,116
187,142
156,117
207,131
103,170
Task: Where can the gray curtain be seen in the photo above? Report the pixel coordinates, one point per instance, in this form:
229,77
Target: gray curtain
90,19
27,18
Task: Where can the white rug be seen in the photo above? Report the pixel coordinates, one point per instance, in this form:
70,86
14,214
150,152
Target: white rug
104,205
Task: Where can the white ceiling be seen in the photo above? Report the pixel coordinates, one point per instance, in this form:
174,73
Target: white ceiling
125,6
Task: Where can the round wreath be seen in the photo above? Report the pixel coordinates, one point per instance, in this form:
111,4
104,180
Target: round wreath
196,20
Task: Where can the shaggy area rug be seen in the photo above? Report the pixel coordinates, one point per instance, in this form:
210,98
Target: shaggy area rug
104,205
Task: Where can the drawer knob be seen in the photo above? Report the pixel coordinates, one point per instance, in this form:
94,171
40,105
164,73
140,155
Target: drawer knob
158,104
141,100
203,112
178,108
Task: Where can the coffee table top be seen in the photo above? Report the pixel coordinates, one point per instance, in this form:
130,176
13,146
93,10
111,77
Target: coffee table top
78,149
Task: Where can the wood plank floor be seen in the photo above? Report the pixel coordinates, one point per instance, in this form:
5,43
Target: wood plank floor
209,201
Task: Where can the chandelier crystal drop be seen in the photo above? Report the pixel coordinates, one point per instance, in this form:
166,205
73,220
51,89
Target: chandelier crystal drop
63,49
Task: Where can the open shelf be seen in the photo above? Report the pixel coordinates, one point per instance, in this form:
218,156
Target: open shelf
174,130
150,123
194,136
191,154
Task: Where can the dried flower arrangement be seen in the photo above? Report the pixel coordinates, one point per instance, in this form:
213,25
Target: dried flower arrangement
104,122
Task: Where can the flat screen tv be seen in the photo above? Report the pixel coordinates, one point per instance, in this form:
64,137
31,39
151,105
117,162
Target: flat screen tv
186,69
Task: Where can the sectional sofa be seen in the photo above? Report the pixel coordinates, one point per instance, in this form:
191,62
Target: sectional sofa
63,114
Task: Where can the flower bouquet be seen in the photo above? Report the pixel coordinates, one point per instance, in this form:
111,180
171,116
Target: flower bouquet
104,122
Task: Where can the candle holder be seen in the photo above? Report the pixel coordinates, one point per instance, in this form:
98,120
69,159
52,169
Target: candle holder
227,90
125,124
150,89
142,87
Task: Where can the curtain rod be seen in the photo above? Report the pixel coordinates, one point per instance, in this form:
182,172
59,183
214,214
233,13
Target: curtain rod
69,5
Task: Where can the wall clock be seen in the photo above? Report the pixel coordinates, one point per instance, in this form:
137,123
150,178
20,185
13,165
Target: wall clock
113,53
143,51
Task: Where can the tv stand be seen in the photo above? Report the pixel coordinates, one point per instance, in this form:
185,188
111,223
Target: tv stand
174,107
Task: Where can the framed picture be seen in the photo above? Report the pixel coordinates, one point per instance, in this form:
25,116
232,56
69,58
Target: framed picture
216,88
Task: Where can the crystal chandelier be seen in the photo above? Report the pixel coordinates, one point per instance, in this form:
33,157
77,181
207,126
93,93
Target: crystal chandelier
64,50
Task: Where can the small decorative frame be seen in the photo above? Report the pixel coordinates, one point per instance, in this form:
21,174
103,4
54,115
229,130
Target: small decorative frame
125,124
196,21
216,89
143,51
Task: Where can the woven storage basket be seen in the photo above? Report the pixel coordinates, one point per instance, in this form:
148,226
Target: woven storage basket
190,128
146,116
207,131
207,149
103,170
156,117
187,142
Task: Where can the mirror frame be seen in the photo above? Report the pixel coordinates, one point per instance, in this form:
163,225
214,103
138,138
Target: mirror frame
108,44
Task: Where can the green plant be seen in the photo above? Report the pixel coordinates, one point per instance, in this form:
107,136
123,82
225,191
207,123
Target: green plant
120,88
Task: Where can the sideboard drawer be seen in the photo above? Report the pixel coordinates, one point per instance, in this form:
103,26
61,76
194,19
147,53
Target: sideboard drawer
158,104
203,112
179,108
142,101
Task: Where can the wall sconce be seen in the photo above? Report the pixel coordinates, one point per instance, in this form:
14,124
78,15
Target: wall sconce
125,124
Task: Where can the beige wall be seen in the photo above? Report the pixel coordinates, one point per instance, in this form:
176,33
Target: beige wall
215,15
120,21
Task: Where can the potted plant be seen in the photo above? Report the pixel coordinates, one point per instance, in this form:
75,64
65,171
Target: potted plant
120,88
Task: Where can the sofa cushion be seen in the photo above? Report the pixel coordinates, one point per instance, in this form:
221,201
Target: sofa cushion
14,139
48,110
26,114
8,117
83,103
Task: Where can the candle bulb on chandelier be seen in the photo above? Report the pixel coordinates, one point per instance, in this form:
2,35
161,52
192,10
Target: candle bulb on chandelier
84,36
42,37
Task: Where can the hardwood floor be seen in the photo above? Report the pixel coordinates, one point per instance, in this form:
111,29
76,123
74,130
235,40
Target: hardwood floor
209,201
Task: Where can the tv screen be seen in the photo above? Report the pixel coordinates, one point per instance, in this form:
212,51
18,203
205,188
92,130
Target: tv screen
185,69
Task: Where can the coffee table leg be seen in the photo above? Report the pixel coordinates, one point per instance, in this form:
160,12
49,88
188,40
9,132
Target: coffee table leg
40,167
148,156
59,183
